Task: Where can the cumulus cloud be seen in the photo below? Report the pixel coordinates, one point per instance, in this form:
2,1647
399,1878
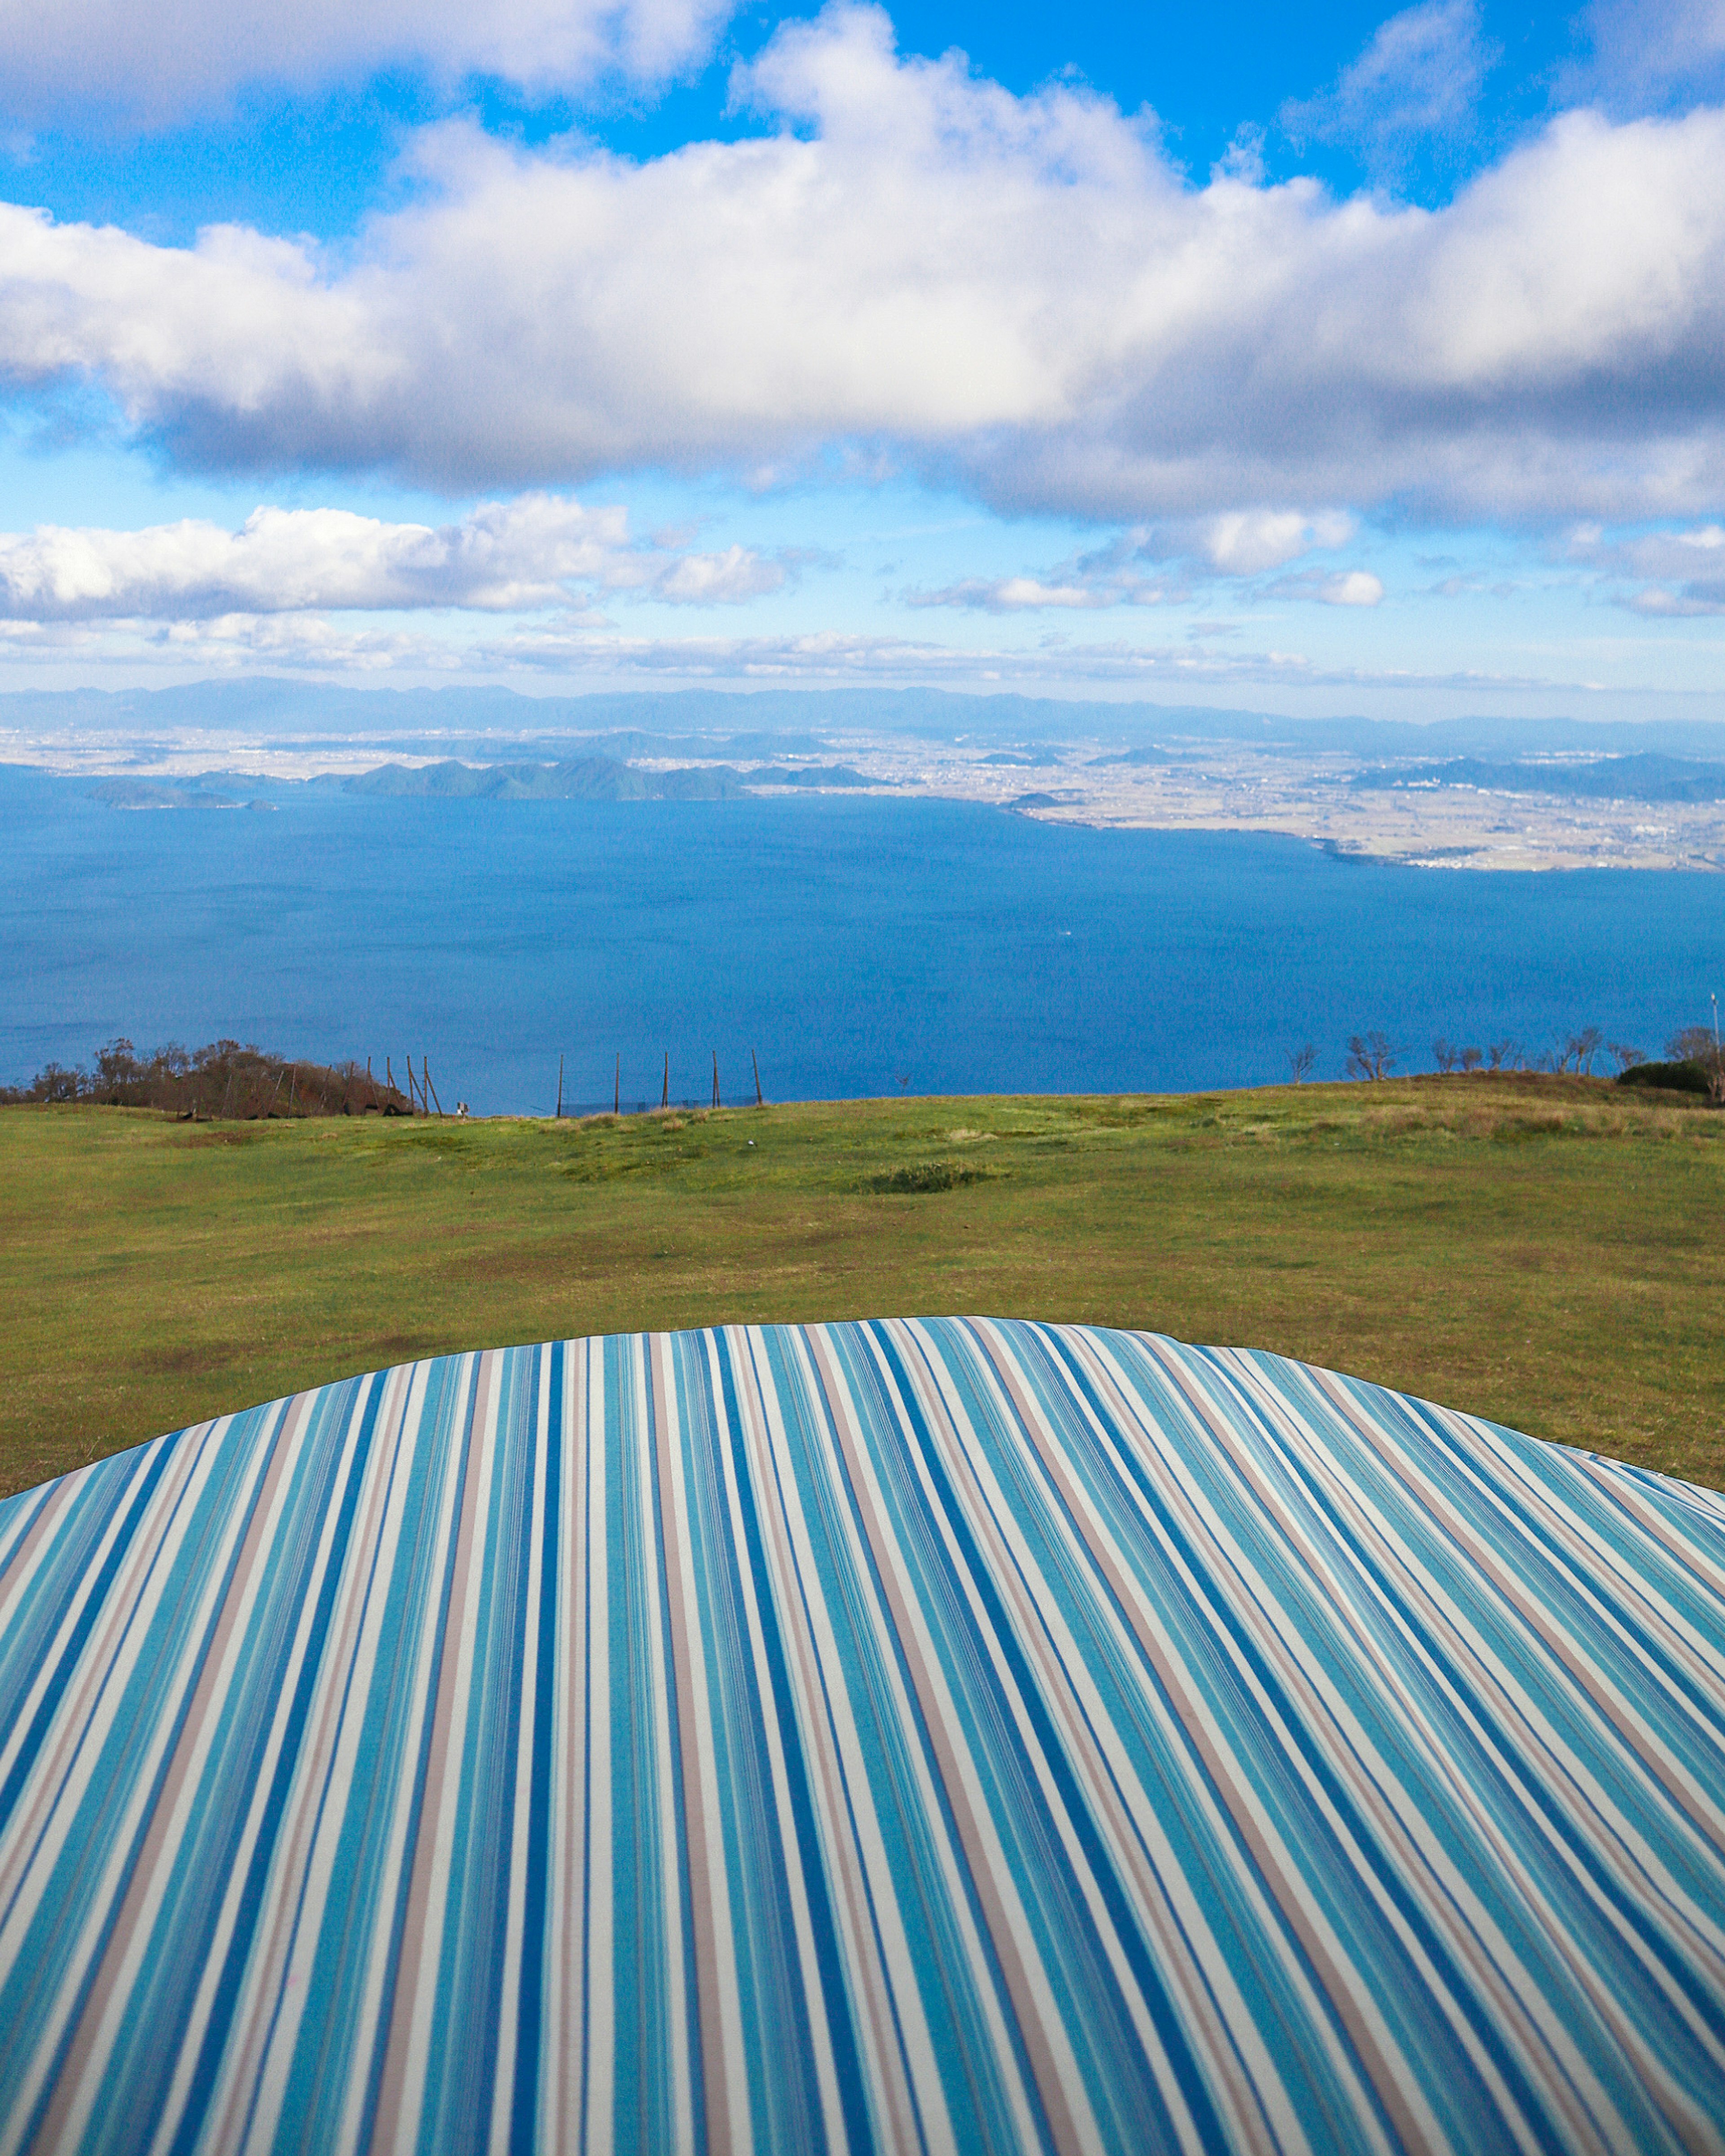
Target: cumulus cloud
1416,86
1019,296
1238,545
1672,573
155,64
503,557
1247,541
1345,588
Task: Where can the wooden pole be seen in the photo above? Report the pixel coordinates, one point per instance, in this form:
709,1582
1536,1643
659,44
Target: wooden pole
617,1098
755,1060
665,1097
560,1089
389,1076
429,1087
715,1077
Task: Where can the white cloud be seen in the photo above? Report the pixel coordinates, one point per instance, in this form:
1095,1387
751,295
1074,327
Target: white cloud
1345,588
1015,595
1240,545
1351,588
716,579
1646,51
503,557
1418,80
1247,541
1673,573
154,64
311,644
1017,294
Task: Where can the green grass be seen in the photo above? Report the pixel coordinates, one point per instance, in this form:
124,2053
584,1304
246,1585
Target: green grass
1544,1252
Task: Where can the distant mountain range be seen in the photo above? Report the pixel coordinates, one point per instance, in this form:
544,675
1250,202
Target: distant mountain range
1644,776
580,778
753,723
574,778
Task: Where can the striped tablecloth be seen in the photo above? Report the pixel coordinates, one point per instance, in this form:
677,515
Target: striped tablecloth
913,1736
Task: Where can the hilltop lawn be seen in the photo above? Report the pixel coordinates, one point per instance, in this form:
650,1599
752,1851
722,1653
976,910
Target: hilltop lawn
1544,1252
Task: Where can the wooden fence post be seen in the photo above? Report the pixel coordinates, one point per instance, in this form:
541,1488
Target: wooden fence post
429,1087
617,1097
665,1097
755,1060
560,1089
715,1077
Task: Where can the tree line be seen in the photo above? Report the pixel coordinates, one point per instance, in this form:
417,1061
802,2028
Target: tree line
224,1081
1693,1063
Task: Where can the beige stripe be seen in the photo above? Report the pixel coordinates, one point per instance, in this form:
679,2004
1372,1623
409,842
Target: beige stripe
1494,1971
889,1623
401,2091
591,1984
1039,2025
537,1435
726,2093
1561,1765
418,1648
1033,1611
340,1431
779,1590
1188,1956
63,1494
247,2065
882,1975
1515,1707
1339,1981
86,2056
83,1717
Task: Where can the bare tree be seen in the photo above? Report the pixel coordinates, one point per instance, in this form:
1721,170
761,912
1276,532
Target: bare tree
1625,1057
1581,1049
1693,1044
1300,1063
1505,1054
1443,1056
1370,1055
1469,1059
1698,1043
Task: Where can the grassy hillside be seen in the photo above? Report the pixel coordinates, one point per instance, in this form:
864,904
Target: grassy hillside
1545,1251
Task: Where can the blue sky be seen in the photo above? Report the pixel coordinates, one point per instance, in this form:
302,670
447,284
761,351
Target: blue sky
1311,358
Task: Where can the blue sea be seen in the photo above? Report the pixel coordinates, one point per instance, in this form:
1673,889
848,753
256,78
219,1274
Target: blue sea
857,946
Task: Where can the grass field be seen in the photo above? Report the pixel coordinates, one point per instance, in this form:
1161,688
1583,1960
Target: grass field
1547,1251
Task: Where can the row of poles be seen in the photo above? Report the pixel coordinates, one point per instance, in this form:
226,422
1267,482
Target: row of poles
420,1090
665,1099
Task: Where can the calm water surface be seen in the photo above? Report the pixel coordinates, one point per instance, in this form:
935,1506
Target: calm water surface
855,945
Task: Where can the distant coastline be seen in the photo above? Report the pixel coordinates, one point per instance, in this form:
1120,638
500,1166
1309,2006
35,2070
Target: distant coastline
1486,792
